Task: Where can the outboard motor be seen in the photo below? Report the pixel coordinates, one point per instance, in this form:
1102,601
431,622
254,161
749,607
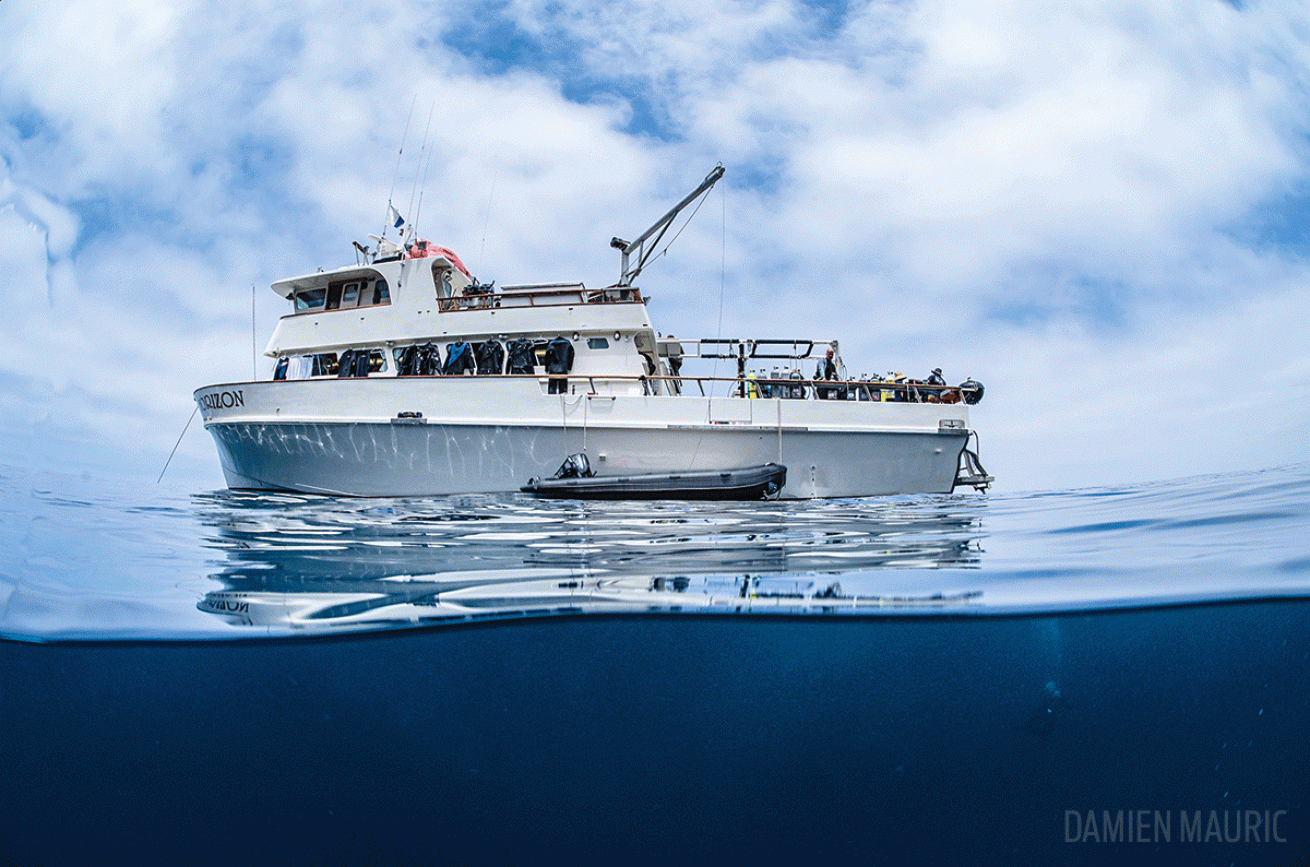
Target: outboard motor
972,390
574,467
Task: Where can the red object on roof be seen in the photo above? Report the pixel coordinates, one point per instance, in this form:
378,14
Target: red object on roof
421,248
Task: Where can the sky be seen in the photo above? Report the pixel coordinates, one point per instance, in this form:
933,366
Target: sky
1101,210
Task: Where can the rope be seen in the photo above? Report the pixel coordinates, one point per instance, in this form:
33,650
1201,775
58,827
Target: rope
685,224
723,268
176,444
564,415
778,401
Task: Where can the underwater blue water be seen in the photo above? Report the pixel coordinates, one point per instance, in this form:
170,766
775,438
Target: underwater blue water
1094,676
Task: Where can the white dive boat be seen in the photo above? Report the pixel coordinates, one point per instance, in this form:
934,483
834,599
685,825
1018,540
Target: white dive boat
402,375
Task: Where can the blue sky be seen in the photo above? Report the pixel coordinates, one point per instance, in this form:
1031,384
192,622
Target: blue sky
1100,210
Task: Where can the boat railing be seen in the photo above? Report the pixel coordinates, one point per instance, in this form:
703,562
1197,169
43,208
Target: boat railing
541,295
763,388
786,388
752,387
732,348
737,349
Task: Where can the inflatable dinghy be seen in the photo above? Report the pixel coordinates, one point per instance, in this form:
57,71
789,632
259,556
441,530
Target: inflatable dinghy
748,483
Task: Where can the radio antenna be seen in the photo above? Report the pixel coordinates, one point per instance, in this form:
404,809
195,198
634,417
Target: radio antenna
487,219
396,174
413,193
427,167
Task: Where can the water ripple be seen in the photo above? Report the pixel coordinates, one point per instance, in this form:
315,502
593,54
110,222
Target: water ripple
86,559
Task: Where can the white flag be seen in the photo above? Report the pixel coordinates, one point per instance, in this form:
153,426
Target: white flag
393,217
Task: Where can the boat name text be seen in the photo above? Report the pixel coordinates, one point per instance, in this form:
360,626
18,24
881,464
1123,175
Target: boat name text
221,400
228,605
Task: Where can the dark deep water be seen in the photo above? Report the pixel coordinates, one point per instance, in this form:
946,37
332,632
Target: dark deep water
226,678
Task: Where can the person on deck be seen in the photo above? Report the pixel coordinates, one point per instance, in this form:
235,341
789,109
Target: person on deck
827,371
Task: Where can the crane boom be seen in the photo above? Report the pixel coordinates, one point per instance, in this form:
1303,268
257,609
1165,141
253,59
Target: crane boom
661,225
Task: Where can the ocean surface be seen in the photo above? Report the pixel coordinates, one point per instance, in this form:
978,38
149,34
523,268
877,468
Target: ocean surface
1105,675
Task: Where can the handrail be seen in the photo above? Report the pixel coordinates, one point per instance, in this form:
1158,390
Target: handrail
902,392
535,287
801,349
872,387
736,348
532,297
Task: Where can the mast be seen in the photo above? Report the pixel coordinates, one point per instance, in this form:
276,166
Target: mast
661,226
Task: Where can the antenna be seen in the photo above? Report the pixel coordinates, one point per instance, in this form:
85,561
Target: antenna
427,166
418,167
396,174
254,368
487,218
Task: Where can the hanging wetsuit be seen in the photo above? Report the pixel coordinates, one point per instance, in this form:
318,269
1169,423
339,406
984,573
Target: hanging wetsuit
346,366
405,363
459,358
429,360
559,360
491,358
280,372
520,356
363,360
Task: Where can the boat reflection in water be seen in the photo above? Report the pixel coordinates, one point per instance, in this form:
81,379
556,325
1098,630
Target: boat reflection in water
299,562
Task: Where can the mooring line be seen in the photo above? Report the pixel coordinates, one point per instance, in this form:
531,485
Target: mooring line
176,444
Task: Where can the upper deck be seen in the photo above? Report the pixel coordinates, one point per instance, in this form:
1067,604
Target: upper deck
397,301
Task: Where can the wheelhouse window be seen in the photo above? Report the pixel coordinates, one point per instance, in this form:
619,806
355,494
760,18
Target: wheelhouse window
350,295
343,295
310,300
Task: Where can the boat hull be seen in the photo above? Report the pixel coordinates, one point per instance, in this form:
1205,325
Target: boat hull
830,449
